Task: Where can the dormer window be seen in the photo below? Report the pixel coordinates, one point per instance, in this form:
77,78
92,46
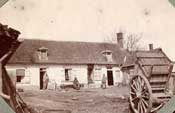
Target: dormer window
108,55
43,53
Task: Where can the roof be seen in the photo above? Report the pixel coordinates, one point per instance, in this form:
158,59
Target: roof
147,59
67,52
156,58
153,57
129,60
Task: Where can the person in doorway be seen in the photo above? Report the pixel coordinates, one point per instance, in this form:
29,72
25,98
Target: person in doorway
45,81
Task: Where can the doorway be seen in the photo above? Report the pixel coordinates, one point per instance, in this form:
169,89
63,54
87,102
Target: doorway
110,77
42,72
89,73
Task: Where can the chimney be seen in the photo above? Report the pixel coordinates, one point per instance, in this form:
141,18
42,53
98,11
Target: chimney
120,39
151,47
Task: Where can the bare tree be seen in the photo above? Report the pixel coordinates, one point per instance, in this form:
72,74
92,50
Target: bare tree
131,42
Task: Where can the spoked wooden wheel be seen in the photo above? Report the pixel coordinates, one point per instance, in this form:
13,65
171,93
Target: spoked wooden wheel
140,95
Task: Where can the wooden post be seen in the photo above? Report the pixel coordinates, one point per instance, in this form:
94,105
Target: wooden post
1,79
1,72
1,86
169,75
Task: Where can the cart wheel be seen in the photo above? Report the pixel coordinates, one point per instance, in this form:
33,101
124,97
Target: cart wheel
140,95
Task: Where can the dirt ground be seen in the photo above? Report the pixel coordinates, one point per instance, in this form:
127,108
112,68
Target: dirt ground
110,100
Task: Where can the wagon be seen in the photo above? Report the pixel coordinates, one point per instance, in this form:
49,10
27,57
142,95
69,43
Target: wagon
149,82
8,96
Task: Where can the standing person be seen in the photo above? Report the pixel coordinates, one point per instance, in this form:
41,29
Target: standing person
76,84
103,85
45,80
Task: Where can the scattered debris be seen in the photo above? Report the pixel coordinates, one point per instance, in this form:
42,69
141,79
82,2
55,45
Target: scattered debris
20,90
89,100
74,98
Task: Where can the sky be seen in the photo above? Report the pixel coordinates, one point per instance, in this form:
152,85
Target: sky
93,20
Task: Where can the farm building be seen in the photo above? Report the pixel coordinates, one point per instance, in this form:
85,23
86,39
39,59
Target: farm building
63,61
148,58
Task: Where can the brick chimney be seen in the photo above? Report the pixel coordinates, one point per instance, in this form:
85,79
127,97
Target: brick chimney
120,39
151,47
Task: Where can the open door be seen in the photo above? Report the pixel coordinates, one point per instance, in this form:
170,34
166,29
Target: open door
90,71
42,72
110,77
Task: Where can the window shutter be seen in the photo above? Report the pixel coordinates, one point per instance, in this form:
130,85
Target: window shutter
20,72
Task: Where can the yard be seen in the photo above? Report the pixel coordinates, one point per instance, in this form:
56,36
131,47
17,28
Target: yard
110,100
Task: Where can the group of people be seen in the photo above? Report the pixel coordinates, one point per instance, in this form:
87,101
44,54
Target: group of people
76,84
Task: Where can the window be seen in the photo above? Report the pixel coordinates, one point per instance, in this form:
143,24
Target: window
98,74
43,53
20,73
18,78
68,74
108,55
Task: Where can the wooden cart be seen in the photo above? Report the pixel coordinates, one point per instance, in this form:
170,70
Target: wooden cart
8,45
149,83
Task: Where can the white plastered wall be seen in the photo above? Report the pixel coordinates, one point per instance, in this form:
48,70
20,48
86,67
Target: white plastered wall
117,74
57,73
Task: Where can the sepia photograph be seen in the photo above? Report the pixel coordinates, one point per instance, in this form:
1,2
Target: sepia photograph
87,56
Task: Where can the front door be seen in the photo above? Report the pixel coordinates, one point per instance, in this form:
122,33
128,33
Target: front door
110,78
42,72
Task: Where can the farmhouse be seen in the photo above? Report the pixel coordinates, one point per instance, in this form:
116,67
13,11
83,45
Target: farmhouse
64,60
